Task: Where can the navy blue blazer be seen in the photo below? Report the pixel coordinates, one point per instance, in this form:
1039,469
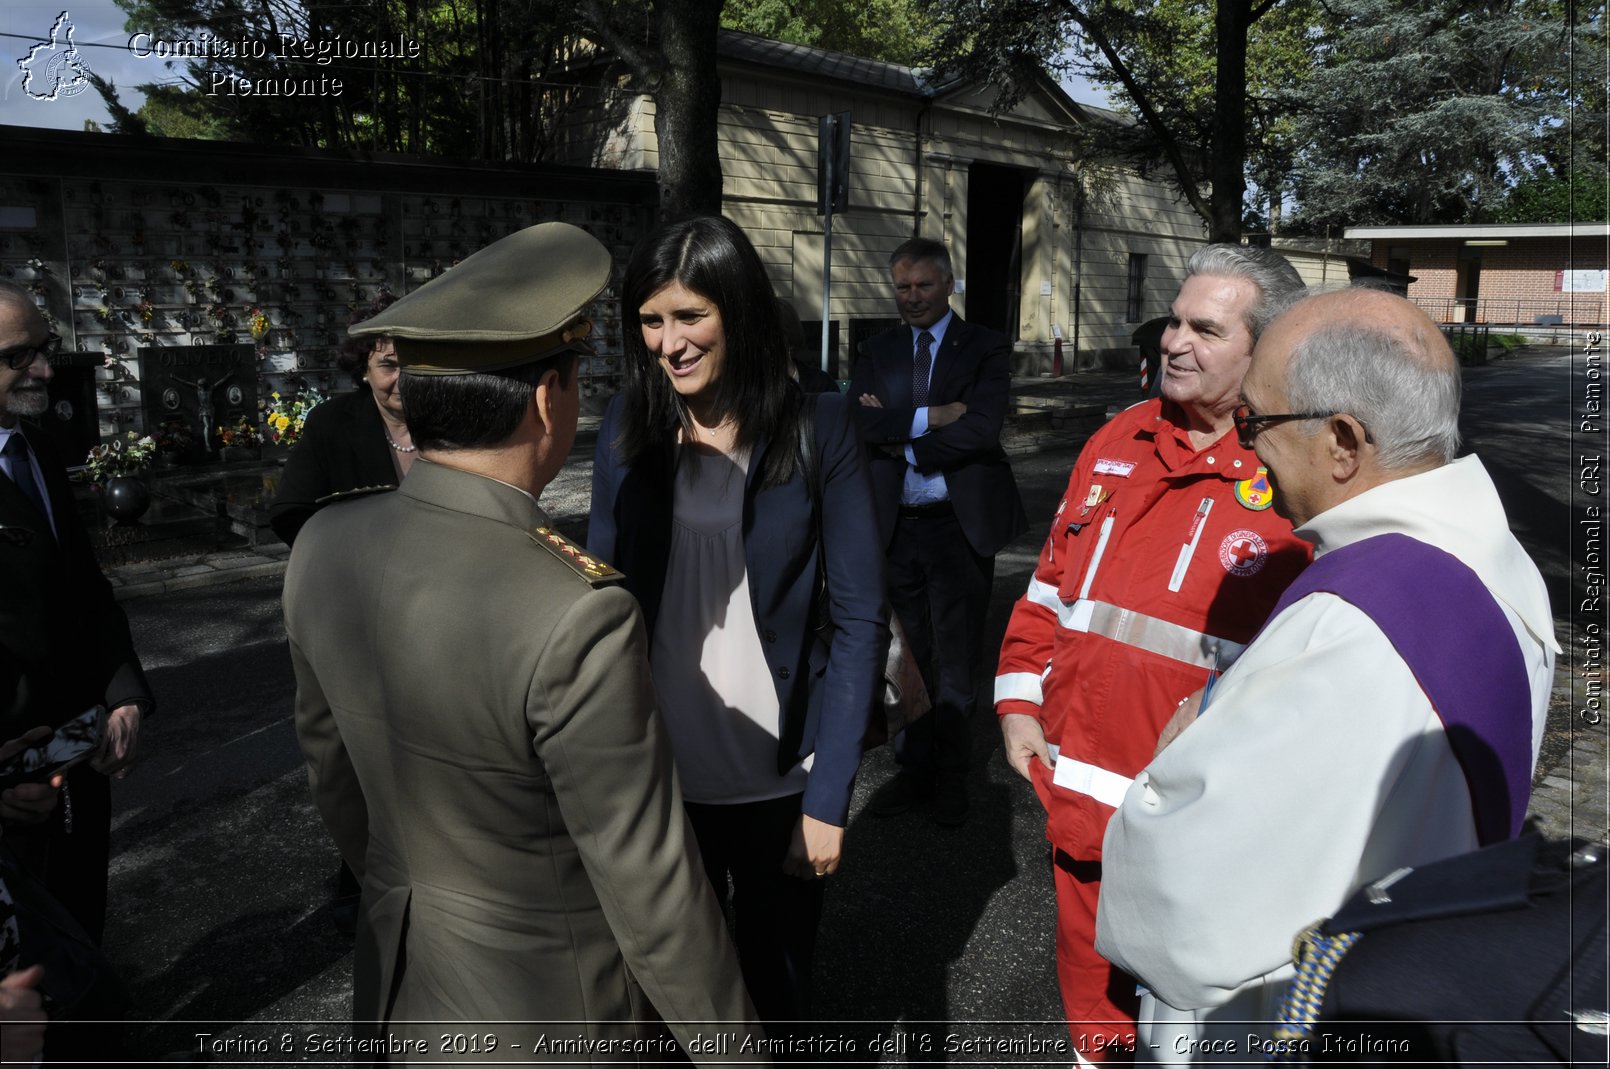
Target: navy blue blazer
973,366
64,640
826,694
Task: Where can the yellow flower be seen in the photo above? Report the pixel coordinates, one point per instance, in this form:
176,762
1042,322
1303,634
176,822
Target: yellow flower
281,422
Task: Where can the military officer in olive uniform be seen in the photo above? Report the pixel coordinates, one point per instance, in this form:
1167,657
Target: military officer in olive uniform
474,703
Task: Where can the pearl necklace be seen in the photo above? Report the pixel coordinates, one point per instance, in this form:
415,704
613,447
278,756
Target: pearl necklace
399,448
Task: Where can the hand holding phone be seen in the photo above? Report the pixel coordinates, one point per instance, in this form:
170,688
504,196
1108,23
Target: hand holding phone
28,803
41,759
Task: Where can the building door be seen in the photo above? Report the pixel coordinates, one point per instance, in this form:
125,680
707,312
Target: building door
1467,287
994,246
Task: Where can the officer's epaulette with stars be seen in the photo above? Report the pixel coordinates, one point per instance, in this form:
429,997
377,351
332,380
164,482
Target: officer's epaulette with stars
590,568
352,495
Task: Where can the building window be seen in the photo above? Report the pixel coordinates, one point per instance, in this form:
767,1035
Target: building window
1397,259
1137,288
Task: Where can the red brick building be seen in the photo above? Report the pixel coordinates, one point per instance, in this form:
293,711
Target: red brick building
1523,275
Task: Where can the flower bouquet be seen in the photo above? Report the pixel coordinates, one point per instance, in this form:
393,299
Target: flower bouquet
257,322
285,419
121,457
175,441
238,435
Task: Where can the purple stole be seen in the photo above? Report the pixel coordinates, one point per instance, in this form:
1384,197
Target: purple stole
1449,630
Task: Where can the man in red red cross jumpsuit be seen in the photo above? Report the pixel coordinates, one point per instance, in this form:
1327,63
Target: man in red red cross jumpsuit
1163,560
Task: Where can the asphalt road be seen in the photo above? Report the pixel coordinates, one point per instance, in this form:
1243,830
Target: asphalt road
221,869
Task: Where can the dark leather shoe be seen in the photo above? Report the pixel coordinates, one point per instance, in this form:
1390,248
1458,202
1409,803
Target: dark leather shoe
950,806
900,794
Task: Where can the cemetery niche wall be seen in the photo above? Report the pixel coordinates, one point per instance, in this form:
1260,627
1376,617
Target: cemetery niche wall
184,304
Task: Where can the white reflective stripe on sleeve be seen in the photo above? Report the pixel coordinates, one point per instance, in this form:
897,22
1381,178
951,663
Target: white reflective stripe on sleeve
1105,787
1018,686
1045,596
1069,613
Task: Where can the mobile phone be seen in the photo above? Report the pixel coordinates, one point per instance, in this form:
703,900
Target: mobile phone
75,741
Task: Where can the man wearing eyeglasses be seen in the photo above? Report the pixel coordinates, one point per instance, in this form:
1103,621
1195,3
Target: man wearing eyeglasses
1163,559
1389,713
64,642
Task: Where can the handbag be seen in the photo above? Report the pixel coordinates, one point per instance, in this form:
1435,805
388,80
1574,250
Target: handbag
905,696
1494,957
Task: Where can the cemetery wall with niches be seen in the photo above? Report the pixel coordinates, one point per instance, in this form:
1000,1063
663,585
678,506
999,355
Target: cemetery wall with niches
178,298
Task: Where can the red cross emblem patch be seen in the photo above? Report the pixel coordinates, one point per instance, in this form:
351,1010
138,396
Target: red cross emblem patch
1243,552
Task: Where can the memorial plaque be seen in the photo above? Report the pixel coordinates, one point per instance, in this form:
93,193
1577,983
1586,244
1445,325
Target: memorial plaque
201,388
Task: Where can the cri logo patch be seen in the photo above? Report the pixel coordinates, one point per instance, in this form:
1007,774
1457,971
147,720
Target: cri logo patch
1243,552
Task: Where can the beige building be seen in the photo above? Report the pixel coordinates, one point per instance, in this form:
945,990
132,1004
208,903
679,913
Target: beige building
1047,241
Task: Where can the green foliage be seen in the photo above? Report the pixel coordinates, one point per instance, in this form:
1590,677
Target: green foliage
895,31
1579,197
1422,110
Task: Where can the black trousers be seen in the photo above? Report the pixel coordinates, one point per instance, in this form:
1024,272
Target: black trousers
775,915
940,590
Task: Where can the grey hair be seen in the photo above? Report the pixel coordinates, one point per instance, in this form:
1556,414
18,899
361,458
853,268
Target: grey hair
1404,392
1277,282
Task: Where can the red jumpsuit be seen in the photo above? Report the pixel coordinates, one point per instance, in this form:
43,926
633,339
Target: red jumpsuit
1162,562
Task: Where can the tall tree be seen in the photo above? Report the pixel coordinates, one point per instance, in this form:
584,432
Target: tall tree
1197,80
1425,112
1570,179
669,47
894,31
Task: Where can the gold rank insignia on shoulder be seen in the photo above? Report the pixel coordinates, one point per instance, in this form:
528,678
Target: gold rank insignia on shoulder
352,495
588,567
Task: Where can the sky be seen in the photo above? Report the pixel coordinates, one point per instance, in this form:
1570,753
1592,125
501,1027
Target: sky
102,44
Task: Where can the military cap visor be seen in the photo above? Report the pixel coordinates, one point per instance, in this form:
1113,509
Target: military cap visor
516,301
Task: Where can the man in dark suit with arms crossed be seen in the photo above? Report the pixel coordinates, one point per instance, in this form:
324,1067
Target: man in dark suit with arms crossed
933,396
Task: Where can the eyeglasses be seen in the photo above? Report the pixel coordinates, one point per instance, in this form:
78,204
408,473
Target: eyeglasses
1248,425
23,356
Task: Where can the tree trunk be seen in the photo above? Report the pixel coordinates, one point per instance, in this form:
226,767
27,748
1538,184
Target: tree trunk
687,100
1228,153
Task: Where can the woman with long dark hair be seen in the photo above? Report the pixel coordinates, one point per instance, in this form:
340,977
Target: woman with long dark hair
708,469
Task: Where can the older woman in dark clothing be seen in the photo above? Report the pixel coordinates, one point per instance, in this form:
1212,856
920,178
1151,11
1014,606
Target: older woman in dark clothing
354,440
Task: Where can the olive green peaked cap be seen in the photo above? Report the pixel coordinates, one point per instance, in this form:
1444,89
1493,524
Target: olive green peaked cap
516,301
